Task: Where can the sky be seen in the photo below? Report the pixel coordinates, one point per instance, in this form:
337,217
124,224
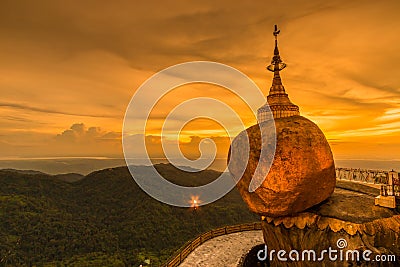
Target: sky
68,70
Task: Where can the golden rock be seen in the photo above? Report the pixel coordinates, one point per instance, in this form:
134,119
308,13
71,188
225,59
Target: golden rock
302,173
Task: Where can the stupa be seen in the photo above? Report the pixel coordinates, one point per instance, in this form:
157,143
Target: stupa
278,100
300,174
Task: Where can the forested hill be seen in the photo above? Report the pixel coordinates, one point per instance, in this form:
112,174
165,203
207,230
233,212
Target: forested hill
104,219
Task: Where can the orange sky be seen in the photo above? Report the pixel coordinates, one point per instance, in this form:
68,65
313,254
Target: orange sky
68,70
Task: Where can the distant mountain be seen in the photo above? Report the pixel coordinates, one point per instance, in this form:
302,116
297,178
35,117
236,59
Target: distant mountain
102,219
67,177
22,171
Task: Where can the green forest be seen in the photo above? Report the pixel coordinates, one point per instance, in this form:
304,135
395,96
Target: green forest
102,219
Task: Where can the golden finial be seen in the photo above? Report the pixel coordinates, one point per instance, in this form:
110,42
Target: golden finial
276,63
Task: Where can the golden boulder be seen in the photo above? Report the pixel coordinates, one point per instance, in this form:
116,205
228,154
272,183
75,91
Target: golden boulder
298,176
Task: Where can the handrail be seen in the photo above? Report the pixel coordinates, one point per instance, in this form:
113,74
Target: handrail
375,178
181,254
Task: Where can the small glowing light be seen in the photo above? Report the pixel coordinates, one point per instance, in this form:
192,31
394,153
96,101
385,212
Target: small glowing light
194,201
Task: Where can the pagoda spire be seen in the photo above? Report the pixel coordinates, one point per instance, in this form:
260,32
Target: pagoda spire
276,66
278,100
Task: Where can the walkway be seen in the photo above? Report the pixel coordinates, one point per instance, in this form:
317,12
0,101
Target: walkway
225,250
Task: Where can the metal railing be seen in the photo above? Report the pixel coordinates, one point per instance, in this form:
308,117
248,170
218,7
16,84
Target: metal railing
186,249
379,178
362,175
390,190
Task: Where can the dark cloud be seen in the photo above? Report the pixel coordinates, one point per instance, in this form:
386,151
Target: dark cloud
147,34
15,118
44,110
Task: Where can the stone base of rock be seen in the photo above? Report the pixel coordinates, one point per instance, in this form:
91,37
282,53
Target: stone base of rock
386,201
347,222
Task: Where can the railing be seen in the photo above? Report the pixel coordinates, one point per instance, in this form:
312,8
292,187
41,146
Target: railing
362,175
186,249
390,190
386,181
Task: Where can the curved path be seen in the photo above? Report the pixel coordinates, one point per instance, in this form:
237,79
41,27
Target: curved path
225,250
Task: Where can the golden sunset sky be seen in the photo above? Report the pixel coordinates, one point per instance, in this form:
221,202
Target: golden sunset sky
68,69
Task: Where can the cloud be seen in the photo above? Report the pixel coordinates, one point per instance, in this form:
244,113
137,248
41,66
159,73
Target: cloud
160,147
192,148
79,133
